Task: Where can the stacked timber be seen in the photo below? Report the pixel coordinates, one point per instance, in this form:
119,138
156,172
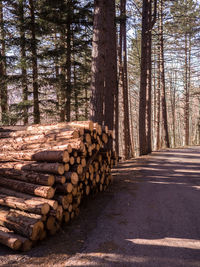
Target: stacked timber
46,171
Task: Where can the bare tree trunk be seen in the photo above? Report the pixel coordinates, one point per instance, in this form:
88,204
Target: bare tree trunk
158,143
98,61
68,62
36,111
104,63
23,62
3,74
127,139
111,64
186,93
162,72
143,80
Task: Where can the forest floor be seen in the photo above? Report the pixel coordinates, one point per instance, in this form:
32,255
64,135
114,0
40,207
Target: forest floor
150,216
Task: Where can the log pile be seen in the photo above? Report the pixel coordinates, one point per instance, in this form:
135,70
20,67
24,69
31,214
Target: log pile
46,171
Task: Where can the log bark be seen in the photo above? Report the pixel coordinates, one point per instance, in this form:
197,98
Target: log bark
51,202
33,189
29,205
8,237
55,168
60,179
26,176
21,224
54,154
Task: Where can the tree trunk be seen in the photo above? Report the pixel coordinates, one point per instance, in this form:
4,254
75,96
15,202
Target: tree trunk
68,62
110,64
98,62
162,70
36,111
3,74
124,81
23,62
143,80
186,109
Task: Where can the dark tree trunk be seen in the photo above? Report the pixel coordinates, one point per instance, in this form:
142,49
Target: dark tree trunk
162,68
110,64
187,105
123,76
145,79
3,74
68,61
36,110
23,61
98,62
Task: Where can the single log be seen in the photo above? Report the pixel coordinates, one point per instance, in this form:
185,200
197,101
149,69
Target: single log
9,239
69,198
26,244
67,167
33,189
66,215
64,188
52,203
74,191
55,168
71,160
60,179
52,156
27,176
40,130
63,201
78,160
25,205
72,176
21,224
57,213
50,222
55,228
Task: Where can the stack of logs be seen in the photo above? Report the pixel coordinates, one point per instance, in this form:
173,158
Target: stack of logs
45,173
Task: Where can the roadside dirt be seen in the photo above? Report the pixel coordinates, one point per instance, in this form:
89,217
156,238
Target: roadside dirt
150,216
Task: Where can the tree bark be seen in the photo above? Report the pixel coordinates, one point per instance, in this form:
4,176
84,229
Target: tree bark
21,224
3,73
29,205
110,64
36,110
27,176
33,189
98,62
23,61
163,89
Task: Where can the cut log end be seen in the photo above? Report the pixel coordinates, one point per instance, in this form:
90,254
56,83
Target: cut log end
45,208
37,230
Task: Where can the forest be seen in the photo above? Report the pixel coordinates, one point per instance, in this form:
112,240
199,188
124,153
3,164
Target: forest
131,65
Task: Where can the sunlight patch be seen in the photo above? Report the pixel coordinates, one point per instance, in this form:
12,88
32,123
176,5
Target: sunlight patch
168,242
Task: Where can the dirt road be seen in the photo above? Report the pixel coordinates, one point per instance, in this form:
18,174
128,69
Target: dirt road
149,217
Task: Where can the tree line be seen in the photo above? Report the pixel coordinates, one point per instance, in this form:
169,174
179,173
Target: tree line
127,64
